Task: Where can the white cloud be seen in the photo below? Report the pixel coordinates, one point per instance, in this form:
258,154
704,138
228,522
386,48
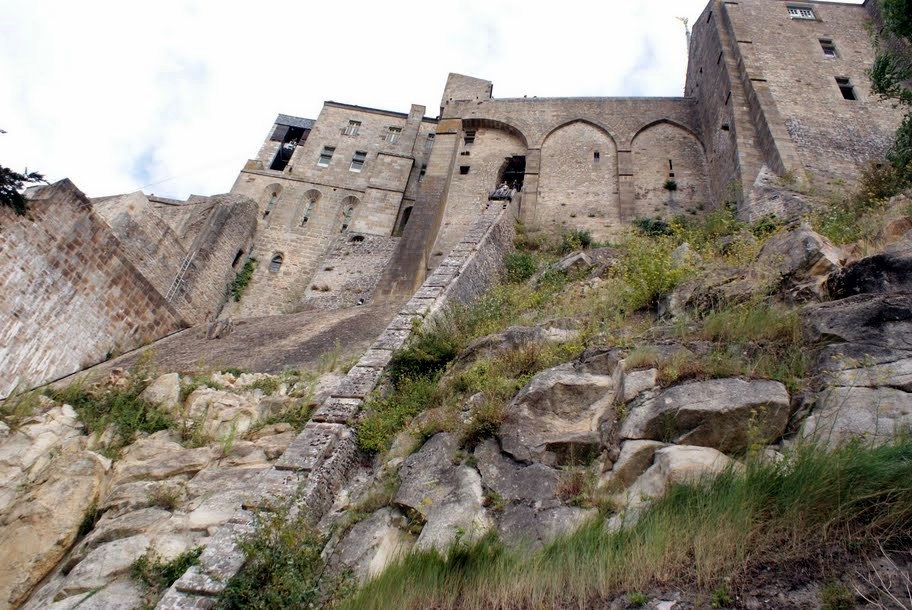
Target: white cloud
178,94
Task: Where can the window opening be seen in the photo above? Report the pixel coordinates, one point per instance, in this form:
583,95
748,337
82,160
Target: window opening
514,172
276,263
846,88
393,135
346,219
829,49
290,138
463,169
469,138
272,201
801,12
422,172
237,259
356,239
596,156
326,156
429,143
406,214
352,128
357,163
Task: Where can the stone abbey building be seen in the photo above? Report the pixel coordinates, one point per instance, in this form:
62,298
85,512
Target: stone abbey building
360,204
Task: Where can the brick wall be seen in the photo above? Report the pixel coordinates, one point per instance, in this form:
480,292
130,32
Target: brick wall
70,294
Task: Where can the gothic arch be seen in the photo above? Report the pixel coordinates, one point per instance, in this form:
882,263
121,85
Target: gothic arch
482,123
669,170
669,122
578,183
589,121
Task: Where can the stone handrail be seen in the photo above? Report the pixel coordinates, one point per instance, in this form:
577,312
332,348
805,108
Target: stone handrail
315,465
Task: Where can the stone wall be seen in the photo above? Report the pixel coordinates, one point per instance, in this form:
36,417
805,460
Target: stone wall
315,466
70,294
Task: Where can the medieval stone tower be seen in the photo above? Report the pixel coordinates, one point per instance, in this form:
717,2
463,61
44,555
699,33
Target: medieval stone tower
360,204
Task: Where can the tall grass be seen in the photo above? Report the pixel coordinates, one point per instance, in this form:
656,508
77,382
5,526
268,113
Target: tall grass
811,507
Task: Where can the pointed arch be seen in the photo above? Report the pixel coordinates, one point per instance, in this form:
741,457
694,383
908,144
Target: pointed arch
275,263
483,123
673,123
271,195
349,205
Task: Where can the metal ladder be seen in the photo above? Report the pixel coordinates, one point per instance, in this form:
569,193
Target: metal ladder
179,279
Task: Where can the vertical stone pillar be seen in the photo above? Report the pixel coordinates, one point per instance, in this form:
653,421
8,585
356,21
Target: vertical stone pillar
529,200
627,209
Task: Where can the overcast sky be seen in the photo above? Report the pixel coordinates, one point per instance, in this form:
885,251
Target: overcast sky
173,96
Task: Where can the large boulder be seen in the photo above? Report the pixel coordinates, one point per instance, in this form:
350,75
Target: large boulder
373,543
727,414
514,338
555,418
38,529
523,525
884,273
802,259
872,415
862,330
103,564
164,392
635,458
223,414
158,457
512,480
672,465
443,492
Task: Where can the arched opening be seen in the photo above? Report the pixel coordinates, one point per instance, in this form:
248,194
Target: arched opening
272,193
348,211
669,171
276,263
406,214
311,198
356,239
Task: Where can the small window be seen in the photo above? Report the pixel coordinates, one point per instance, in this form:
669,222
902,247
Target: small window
346,219
846,88
469,137
276,263
596,156
429,143
272,201
357,163
352,129
829,49
393,135
422,173
464,169
237,259
801,12
326,156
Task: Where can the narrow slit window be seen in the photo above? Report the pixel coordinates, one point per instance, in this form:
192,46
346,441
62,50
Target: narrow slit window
422,173
846,88
469,138
429,143
357,163
393,134
829,49
326,156
596,156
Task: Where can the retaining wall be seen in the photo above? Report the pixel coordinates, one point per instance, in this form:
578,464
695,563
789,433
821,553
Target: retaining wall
315,466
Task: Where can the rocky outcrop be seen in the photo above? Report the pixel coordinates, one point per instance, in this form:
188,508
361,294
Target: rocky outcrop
802,260
373,543
635,457
727,414
555,418
874,415
514,338
884,273
443,492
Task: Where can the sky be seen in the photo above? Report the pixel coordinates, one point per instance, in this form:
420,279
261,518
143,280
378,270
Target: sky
172,97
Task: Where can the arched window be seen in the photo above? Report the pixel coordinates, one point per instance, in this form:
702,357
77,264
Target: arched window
348,205
310,200
273,192
276,263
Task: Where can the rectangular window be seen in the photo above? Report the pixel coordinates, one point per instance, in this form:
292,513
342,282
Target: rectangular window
326,156
469,138
352,129
358,161
846,88
422,173
393,135
829,49
464,169
801,12
596,156
429,143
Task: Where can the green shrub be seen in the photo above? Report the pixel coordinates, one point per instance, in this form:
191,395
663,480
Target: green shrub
898,17
670,185
900,155
765,226
267,385
158,575
648,272
429,351
242,279
636,599
575,239
720,597
652,226
282,569
387,416
520,266
836,596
